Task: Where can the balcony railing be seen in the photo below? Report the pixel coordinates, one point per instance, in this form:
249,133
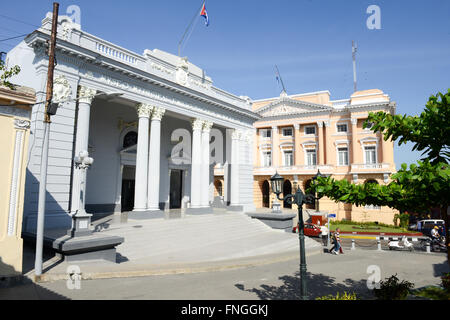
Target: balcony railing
303,168
363,166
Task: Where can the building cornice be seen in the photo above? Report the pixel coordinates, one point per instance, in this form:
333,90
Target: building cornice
39,37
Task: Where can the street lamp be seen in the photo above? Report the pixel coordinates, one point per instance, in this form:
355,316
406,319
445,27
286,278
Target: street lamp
318,175
299,198
82,219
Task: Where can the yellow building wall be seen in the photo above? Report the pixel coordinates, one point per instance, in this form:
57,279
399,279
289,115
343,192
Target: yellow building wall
11,246
327,140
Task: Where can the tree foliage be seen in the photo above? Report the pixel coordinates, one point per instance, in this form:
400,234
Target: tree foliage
6,73
430,132
420,187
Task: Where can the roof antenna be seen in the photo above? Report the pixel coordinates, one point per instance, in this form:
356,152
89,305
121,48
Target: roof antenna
354,49
279,79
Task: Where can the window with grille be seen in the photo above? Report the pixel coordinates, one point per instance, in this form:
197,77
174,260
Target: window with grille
267,158
371,154
288,158
310,130
343,156
287,132
311,157
342,128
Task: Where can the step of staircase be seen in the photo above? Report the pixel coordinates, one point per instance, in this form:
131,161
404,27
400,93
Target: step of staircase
195,238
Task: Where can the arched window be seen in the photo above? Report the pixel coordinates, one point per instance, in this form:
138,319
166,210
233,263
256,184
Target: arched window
130,139
371,181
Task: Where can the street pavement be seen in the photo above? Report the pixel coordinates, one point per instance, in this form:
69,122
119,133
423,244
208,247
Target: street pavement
327,274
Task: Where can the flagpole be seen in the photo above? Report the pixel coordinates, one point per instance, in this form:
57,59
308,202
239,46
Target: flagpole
189,27
281,79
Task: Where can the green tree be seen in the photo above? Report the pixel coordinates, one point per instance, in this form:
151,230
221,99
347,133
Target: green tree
6,73
419,187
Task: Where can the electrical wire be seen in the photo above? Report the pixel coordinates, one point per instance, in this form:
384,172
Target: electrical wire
20,21
21,36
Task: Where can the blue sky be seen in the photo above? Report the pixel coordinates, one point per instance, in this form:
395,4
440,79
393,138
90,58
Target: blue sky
309,40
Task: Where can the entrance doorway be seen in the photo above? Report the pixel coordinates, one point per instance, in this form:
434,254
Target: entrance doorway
266,194
287,189
176,188
128,185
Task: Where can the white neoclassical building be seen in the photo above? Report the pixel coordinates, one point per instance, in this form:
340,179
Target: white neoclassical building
156,127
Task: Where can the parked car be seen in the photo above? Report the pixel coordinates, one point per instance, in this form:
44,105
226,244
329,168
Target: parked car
313,230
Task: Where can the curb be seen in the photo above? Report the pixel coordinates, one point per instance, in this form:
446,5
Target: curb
167,271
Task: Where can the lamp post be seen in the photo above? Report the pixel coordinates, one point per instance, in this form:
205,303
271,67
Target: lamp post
299,198
82,219
318,175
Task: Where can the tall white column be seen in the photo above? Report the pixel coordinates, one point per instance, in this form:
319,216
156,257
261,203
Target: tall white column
141,185
154,159
235,145
85,95
196,165
207,125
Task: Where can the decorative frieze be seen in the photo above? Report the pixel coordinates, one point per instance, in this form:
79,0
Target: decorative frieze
22,124
61,89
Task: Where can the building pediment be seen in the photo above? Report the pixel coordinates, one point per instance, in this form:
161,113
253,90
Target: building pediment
287,106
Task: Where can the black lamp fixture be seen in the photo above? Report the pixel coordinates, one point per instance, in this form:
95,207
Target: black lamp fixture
277,183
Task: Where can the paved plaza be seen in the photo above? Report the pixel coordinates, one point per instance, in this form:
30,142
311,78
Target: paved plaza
327,274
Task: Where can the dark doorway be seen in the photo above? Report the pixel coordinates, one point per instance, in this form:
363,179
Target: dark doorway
176,188
309,205
266,194
128,185
287,189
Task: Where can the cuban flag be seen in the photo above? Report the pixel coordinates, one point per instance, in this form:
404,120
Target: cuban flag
204,14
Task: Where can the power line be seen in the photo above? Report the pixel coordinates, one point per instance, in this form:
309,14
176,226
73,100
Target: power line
11,30
20,21
21,36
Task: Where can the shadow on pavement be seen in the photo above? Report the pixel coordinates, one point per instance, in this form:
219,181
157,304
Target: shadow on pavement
13,286
317,285
441,268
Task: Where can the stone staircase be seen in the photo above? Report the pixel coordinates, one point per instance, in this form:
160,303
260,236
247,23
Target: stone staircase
197,238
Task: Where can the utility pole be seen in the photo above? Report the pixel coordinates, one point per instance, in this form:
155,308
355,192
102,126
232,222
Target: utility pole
44,155
354,49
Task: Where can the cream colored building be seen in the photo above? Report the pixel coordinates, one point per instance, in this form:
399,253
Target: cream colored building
15,112
301,134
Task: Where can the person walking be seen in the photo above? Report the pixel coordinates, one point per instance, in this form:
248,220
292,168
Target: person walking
337,242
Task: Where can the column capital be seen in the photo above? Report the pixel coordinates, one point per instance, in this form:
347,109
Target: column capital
327,123
86,95
237,134
158,113
197,124
274,127
207,125
144,110
320,124
296,126
354,121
